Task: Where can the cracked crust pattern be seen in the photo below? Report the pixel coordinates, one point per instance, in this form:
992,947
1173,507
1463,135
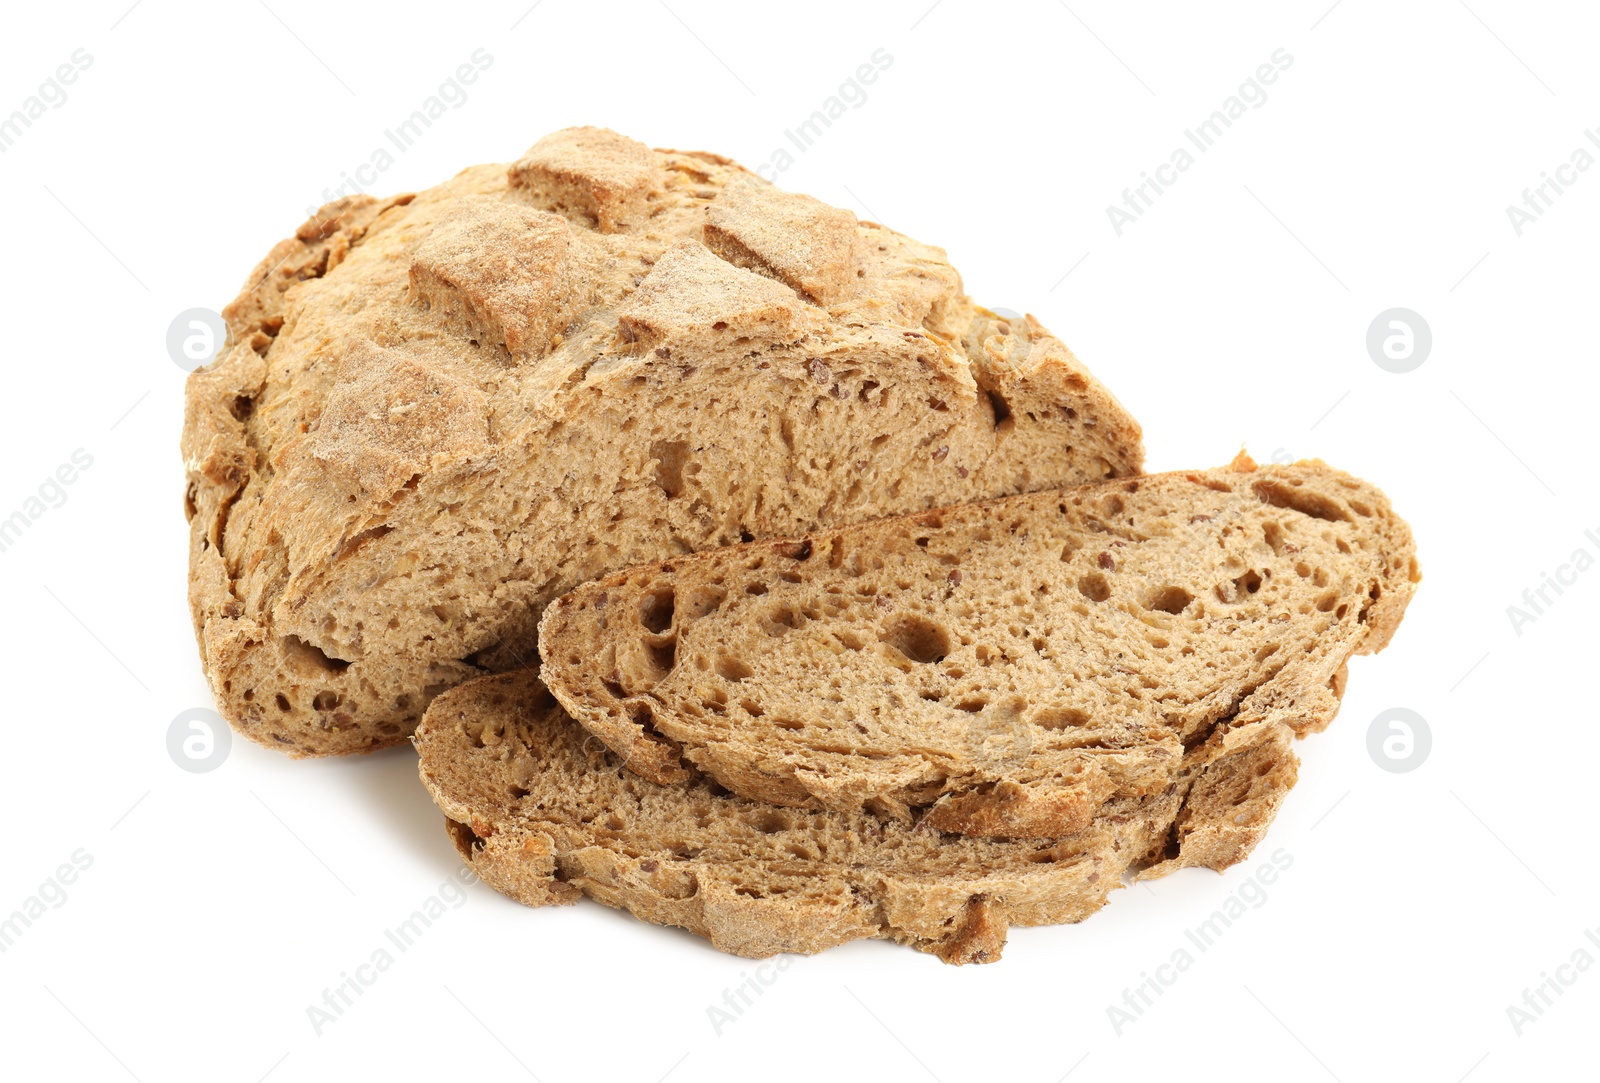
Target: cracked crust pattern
439,412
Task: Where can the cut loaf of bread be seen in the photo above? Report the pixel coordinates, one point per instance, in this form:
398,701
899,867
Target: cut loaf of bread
997,669
439,412
543,812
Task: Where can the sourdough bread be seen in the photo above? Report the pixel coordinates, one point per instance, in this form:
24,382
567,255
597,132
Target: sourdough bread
437,413
544,813
998,669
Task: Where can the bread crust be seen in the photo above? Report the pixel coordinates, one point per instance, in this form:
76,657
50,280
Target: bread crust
436,413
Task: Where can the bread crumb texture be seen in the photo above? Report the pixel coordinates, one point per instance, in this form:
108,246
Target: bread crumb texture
933,727
439,412
999,669
543,812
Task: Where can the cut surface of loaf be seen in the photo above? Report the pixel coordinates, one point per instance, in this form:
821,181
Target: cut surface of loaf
544,813
997,669
439,412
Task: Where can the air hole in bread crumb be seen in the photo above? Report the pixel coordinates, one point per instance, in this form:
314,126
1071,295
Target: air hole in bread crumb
326,701
656,610
918,638
733,669
1003,423
309,660
664,656
770,822
283,703
784,617
467,841
704,600
1239,589
670,456
1060,718
1314,504
1170,600
1094,587
800,551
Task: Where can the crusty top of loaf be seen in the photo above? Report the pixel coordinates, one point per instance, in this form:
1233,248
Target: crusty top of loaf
439,411
566,298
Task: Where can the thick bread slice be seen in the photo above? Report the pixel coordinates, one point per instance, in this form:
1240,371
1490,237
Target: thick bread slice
997,669
542,812
438,413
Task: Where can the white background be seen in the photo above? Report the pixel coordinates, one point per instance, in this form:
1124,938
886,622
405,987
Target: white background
1418,907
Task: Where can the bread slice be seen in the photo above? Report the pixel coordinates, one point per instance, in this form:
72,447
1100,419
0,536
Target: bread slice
999,669
543,812
439,412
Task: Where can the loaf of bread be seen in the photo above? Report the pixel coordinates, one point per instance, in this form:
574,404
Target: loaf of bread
438,413
1001,669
